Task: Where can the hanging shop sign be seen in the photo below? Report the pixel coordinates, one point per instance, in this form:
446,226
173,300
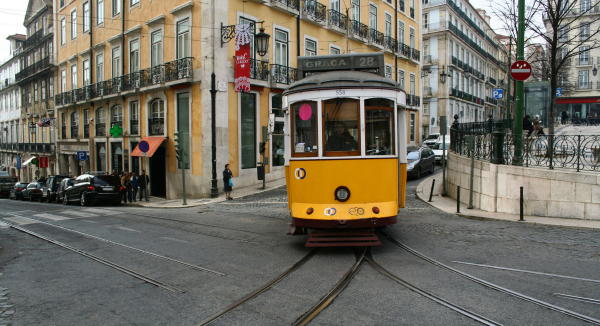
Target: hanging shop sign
243,36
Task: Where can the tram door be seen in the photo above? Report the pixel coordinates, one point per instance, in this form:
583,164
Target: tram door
402,130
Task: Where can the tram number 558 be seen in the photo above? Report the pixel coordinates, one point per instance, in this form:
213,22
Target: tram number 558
340,92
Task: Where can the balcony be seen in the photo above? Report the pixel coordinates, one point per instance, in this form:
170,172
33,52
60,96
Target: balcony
376,37
33,39
157,75
315,11
34,68
100,129
491,100
259,69
156,126
390,43
288,5
41,148
413,100
337,20
492,81
404,50
283,74
415,54
359,30
584,85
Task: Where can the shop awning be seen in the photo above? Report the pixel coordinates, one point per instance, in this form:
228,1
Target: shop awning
577,100
153,144
29,160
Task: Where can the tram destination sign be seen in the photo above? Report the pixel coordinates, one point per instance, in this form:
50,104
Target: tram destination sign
372,62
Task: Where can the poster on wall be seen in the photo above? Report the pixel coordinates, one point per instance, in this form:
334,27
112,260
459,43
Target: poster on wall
243,37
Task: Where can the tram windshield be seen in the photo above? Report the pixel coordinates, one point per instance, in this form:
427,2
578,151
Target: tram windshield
305,128
341,127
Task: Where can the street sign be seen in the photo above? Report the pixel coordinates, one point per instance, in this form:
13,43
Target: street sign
498,93
558,91
144,146
82,156
520,70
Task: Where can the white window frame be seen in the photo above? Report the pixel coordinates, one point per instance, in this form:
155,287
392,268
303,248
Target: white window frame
63,31
74,76
308,39
161,52
86,16
100,12
188,41
334,47
86,72
116,7
116,69
74,23
287,31
99,67
133,68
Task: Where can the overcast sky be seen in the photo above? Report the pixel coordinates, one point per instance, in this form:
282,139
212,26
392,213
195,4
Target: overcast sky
12,13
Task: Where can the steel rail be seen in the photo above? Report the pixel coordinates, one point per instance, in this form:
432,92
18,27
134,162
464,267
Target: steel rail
383,271
574,297
196,267
308,316
493,286
259,290
106,262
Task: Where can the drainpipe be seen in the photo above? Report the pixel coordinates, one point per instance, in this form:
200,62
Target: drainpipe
214,191
396,37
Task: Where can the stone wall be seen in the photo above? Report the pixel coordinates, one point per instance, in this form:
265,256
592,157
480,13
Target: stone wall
553,193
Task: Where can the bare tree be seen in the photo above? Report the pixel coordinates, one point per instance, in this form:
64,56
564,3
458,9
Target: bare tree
560,18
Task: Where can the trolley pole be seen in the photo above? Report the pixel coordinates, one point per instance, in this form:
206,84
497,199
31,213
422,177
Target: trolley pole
518,123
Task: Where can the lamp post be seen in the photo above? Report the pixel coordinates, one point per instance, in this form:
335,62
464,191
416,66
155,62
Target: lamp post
443,130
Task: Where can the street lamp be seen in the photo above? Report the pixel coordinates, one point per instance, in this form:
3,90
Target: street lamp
595,71
443,75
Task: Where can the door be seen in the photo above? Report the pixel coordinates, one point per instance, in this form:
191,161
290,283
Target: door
158,184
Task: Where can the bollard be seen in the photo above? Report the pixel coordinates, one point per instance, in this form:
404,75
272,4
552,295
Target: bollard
521,204
431,192
458,199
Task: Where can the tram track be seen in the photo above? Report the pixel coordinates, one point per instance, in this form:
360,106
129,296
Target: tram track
491,285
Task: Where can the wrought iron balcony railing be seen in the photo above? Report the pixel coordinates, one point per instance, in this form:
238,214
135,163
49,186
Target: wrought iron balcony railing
315,10
492,80
359,29
283,74
584,85
337,20
375,37
415,54
288,4
33,39
33,68
390,43
156,126
259,69
413,100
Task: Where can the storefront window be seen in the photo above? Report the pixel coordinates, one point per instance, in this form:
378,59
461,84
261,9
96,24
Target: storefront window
304,129
101,156
117,156
341,119
379,127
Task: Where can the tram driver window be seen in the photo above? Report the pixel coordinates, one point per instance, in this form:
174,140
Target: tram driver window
379,127
341,119
304,129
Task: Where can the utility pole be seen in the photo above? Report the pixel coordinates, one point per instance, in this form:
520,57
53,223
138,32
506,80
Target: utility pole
518,123
508,80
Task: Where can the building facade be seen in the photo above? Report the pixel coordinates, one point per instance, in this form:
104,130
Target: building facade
462,64
36,82
10,108
136,70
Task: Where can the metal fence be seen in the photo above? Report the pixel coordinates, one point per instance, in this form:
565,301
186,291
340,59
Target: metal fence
576,152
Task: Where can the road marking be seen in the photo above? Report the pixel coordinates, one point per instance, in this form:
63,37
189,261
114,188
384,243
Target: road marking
529,272
79,214
124,228
174,239
52,217
21,220
573,297
101,211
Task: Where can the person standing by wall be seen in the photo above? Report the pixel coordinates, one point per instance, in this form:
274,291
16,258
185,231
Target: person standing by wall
227,182
143,182
135,183
125,184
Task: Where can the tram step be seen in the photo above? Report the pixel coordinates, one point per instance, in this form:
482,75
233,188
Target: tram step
342,239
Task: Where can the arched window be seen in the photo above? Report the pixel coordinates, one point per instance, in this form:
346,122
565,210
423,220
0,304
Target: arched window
157,117
100,122
116,115
74,124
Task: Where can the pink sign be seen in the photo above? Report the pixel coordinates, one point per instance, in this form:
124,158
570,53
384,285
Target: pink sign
305,112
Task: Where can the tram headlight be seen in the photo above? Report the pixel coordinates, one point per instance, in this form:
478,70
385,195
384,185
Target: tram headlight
342,193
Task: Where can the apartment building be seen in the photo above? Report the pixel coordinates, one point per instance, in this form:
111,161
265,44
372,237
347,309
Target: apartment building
10,107
133,70
36,82
463,63
579,79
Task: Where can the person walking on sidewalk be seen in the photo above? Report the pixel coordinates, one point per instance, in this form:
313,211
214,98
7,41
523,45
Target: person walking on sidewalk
143,182
135,183
227,182
125,183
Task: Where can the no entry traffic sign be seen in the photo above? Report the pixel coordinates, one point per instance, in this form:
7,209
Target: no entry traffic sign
520,70
144,146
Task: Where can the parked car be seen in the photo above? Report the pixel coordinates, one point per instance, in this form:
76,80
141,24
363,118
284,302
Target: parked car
33,191
6,185
62,186
420,161
17,191
89,188
51,187
438,149
432,139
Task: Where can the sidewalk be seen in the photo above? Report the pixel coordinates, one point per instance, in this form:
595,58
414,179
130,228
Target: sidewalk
448,205
157,202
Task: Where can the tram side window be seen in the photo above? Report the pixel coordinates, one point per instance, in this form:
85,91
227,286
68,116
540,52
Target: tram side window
305,128
341,119
379,127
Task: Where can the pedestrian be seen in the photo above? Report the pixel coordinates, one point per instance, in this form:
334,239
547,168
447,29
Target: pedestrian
227,182
124,183
143,182
135,184
538,129
528,125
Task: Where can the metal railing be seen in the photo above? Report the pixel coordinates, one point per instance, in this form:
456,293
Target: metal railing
283,74
31,147
375,37
413,100
584,85
288,4
33,39
168,72
574,152
337,20
33,68
359,29
315,10
156,126
259,69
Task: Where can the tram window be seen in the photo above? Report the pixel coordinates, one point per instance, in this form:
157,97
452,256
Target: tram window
379,127
304,129
341,119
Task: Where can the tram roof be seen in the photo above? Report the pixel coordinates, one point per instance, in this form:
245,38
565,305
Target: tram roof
342,79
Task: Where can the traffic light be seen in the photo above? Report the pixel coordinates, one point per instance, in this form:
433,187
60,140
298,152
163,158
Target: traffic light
263,147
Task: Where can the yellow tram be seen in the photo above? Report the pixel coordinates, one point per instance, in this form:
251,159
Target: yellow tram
345,146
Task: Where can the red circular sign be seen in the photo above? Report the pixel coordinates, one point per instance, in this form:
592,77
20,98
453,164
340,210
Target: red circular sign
520,70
